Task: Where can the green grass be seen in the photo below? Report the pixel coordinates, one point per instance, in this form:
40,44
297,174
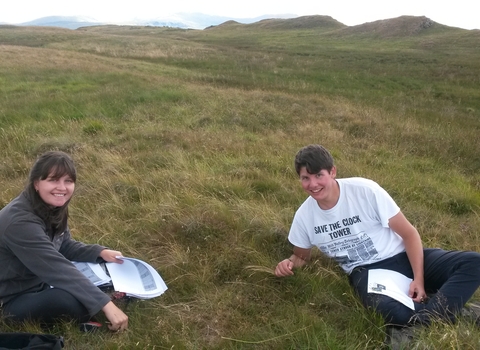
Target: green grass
184,142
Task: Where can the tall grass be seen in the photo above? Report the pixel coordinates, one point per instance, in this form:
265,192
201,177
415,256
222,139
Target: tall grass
184,142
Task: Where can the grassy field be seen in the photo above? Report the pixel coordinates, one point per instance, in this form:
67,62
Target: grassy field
184,142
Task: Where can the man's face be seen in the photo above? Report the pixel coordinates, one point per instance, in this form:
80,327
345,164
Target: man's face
320,186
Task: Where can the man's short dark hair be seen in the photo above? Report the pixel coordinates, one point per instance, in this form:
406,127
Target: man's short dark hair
314,158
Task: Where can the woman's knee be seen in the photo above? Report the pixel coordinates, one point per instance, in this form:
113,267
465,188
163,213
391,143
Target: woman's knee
46,305
62,300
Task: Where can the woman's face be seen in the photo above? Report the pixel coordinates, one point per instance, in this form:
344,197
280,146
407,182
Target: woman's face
55,192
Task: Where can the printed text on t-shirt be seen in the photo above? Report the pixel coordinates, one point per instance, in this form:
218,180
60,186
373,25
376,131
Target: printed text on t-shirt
335,230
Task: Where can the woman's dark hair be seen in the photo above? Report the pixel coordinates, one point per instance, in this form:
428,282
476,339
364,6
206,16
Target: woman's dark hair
53,164
314,158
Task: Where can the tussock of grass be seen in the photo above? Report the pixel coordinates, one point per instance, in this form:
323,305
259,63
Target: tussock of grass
184,142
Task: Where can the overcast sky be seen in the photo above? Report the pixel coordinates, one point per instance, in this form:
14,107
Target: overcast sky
459,13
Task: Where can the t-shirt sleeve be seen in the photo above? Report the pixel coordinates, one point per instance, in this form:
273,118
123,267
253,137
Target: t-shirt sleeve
298,235
385,206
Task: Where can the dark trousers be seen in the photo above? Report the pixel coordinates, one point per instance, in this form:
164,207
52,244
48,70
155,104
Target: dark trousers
450,276
45,306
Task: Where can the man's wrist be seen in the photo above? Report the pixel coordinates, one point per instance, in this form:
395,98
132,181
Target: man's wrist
297,261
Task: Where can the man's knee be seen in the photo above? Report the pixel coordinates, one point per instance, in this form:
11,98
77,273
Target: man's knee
392,311
472,262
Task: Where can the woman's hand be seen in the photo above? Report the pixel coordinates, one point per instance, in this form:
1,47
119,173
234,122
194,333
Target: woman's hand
118,319
111,256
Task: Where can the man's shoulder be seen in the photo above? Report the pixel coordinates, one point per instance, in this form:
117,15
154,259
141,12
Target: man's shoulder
358,182
306,206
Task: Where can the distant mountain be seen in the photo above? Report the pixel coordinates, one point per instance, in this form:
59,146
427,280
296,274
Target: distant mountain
400,26
180,20
70,22
395,27
303,22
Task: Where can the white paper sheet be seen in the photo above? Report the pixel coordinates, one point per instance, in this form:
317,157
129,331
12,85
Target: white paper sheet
94,272
390,283
134,277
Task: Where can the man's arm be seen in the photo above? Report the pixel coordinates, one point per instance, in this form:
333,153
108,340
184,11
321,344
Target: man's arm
299,258
414,250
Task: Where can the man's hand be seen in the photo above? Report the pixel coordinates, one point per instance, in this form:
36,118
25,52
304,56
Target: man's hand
417,292
298,259
111,256
284,268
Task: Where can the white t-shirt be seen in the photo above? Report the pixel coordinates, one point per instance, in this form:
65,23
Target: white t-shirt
355,231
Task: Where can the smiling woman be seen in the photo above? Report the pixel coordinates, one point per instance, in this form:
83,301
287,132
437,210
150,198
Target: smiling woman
55,191
38,281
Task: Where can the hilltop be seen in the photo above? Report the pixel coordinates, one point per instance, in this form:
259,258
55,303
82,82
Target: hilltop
304,22
202,21
403,26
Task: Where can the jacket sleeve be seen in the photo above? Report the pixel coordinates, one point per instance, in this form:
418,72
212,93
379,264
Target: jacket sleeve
31,246
77,251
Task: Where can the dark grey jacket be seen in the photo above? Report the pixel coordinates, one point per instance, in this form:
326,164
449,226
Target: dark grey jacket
29,259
